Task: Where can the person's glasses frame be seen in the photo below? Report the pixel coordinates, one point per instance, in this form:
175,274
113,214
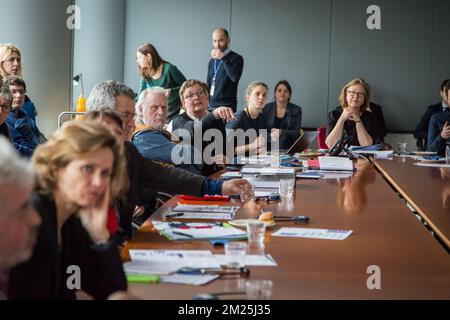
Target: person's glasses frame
356,93
199,94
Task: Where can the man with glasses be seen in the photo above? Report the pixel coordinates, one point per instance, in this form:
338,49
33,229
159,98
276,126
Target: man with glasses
24,132
5,107
145,175
224,72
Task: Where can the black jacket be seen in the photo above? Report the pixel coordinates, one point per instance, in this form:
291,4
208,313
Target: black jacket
371,122
421,131
183,121
147,177
292,122
45,275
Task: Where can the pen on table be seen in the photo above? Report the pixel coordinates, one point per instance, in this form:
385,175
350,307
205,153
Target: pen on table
173,215
182,234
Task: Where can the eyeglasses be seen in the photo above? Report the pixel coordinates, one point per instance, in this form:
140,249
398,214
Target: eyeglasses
5,107
356,93
127,115
191,96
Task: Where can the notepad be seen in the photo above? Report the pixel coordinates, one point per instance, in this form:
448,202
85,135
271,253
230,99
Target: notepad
325,234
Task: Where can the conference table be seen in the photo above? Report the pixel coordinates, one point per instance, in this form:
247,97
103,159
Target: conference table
386,236
427,190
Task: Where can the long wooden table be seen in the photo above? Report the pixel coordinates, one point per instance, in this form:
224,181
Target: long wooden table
427,189
386,234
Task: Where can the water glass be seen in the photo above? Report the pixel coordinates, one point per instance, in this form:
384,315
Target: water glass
287,188
247,192
259,289
256,231
402,148
235,253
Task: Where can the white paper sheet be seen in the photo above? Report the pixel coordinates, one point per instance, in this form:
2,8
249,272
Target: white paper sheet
177,259
311,233
250,260
335,163
196,280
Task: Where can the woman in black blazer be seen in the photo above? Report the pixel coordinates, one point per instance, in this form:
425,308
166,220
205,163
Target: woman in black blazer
284,118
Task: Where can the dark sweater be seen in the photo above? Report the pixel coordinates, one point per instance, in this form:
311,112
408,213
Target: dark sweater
290,124
228,75
421,131
371,123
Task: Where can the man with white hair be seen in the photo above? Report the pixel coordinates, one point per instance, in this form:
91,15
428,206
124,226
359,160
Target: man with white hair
153,141
146,175
19,222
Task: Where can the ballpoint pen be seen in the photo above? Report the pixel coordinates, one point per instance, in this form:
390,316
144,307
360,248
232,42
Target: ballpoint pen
182,234
173,215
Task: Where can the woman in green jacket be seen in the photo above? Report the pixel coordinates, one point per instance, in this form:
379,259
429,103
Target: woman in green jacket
156,72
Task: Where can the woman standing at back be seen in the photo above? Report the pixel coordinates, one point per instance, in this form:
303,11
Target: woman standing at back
156,72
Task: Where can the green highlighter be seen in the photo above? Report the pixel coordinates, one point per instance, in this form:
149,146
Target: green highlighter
140,278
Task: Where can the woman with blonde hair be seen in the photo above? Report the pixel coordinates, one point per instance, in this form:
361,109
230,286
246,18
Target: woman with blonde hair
354,117
157,72
80,170
11,65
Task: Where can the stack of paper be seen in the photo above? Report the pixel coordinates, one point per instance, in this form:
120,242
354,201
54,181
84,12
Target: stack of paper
215,212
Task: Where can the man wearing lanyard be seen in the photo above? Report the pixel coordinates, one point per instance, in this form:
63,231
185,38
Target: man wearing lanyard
224,71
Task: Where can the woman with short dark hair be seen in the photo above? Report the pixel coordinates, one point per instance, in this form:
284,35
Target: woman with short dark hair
284,118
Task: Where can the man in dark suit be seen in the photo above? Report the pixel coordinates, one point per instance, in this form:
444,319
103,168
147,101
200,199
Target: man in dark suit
421,132
439,127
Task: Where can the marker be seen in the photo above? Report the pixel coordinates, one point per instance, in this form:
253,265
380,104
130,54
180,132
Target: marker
139,278
173,215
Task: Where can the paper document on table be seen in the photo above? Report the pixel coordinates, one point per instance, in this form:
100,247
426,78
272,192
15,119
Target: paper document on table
325,234
276,171
194,232
177,259
196,280
148,268
250,260
335,163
